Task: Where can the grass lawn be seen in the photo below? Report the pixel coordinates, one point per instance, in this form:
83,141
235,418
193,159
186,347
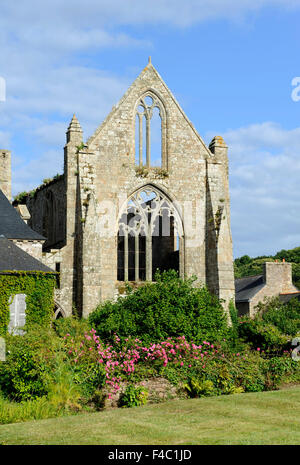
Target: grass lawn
251,418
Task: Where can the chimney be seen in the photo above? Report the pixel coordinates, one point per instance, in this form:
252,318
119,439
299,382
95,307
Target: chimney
278,276
23,212
5,173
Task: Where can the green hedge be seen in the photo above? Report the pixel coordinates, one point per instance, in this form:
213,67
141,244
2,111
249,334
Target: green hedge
286,317
273,327
39,290
262,335
169,307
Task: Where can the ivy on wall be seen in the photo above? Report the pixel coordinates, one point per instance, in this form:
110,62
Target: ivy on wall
39,290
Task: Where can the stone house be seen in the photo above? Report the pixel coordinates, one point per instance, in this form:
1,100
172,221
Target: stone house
14,228
143,193
14,263
276,281
20,248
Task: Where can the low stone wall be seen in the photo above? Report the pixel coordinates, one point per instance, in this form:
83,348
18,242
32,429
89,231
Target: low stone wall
159,389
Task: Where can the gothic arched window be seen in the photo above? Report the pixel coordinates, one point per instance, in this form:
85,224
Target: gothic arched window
150,132
150,236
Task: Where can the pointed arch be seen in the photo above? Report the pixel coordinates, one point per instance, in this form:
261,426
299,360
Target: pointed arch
150,235
59,312
150,117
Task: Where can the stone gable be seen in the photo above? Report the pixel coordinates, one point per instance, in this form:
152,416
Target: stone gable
106,179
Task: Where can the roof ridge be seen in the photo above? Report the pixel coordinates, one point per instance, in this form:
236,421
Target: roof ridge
15,259
12,226
251,276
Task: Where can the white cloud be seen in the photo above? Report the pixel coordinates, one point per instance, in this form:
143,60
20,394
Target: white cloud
4,139
64,90
39,107
28,174
46,84
103,13
40,44
264,161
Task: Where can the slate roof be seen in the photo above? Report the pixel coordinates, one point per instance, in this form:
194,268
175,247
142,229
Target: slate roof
286,297
246,288
11,224
12,258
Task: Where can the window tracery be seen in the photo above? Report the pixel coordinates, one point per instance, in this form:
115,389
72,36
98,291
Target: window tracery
150,232
150,132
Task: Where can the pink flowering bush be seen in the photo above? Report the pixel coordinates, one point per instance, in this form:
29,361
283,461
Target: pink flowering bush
87,372
82,370
133,360
174,358
74,369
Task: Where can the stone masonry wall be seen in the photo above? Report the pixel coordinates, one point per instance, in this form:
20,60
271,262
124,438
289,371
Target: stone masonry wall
5,172
107,171
278,279
48,213
101,175
33,248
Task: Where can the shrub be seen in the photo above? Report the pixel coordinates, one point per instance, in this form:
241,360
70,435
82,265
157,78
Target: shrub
69,373
177,360
232,340
199,388
231,373
30,361
38,364
292,371
89,376
169,307
286,317
234,317
82,355
247,371
262,335
275,369
98,399
71,325
134,396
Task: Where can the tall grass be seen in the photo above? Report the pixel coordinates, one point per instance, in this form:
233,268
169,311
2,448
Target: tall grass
63,399
37,409
64,393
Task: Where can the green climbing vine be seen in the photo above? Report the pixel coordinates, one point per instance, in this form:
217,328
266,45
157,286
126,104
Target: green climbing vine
39,290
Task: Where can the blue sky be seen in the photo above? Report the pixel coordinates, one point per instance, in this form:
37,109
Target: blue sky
229,64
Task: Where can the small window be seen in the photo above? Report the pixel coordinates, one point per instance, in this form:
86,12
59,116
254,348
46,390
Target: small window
57,269
17,314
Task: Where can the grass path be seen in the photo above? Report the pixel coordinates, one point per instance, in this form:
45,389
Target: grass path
251,418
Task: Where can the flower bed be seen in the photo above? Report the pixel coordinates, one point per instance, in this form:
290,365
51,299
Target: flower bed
184,364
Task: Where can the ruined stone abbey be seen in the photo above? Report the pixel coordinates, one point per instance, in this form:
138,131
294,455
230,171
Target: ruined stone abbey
130,202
